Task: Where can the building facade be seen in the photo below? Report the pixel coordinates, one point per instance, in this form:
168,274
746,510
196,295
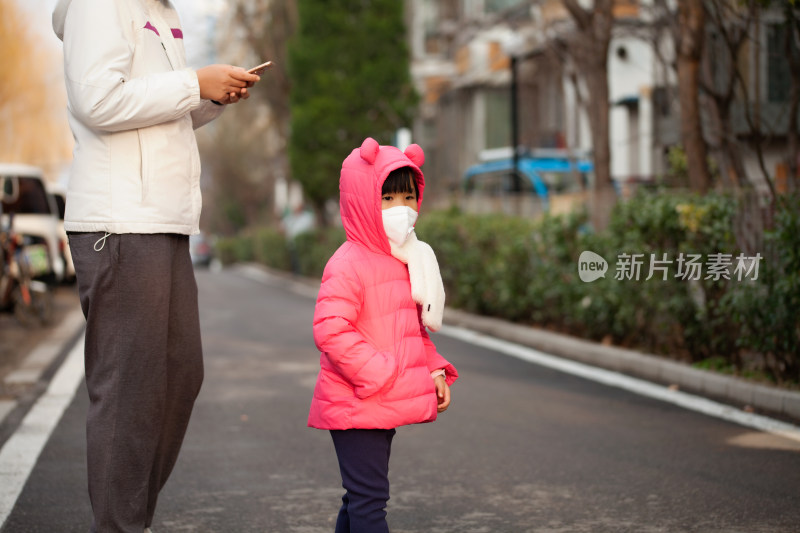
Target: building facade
496,73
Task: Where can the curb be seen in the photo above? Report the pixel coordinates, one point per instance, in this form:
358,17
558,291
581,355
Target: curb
630,362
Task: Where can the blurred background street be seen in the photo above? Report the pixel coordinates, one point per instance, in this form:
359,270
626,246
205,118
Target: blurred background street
523,448
608,181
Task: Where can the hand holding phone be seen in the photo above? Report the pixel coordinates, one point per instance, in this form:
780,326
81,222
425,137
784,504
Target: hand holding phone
260,68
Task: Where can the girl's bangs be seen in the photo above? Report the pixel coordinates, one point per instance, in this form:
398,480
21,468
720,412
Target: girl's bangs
401,180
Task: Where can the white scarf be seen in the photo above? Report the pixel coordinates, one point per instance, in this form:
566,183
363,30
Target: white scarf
426,281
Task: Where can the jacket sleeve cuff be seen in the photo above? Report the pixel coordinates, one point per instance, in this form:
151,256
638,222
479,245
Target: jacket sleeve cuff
194,87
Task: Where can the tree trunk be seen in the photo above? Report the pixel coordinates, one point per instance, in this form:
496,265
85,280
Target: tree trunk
793,53
589,50
732,28
603,194
691,19
597,82
793,146
732,149
251,18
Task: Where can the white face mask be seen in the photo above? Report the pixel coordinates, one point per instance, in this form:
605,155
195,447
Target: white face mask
398,223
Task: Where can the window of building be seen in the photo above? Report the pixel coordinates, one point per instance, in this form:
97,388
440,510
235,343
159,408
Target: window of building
719,62
494,6
430,17
626,8
498,121
779,78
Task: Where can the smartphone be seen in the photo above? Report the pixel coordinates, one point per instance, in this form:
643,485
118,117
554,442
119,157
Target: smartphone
260,68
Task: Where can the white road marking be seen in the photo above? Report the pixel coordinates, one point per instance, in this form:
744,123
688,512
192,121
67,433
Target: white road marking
22,449
621,381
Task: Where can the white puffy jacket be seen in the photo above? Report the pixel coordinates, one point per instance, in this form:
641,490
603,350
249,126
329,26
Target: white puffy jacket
133,106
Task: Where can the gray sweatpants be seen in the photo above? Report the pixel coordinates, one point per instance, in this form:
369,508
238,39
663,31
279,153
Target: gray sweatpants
144,368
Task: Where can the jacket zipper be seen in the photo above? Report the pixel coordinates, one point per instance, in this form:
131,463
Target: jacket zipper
167,54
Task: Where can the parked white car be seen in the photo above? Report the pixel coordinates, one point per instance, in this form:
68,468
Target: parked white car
35,212
60,197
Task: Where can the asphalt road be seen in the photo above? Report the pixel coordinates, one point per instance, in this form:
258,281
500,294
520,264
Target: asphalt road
522,448
16,341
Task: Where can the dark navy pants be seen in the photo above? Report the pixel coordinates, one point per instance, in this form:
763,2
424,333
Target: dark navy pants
364,463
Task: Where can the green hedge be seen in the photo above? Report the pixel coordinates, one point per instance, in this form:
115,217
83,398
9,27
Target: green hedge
315,248
269,247
263,245
527,271
768,311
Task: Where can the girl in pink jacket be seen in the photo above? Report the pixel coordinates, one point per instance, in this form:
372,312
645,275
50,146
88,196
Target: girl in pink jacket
380,290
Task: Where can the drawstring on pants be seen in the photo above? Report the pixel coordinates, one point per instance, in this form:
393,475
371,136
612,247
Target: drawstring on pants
101,242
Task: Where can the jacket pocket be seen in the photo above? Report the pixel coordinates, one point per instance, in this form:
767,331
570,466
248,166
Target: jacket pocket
195,168
144,163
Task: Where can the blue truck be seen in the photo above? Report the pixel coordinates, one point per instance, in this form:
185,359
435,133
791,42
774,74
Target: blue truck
543,173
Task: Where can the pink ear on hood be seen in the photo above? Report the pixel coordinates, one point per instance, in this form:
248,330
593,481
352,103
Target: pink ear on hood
369,150
415,154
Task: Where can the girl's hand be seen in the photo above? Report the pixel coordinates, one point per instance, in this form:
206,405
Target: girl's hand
442,393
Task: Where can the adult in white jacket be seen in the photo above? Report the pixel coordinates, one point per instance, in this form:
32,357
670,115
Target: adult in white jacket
133,199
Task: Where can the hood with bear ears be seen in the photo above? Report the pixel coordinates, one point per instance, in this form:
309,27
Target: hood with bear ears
360,183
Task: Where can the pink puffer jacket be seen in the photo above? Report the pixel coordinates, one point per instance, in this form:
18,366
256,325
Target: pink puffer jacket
376,357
